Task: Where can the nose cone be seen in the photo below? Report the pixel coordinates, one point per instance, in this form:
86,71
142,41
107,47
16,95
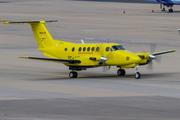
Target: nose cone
136,59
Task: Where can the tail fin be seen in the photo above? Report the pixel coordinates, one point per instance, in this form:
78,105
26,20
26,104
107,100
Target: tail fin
41,34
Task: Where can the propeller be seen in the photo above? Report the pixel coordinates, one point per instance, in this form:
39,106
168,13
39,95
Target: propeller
106,68
102,62
153,57
160,6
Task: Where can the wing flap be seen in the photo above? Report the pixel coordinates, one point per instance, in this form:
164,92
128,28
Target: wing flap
53,60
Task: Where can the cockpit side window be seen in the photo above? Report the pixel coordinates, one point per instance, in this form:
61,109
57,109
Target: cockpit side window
107,49
118,47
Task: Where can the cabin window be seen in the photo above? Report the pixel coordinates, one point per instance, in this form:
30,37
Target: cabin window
92,49
80,49
84,49
73,49
107,49
97,49
88,49
65,49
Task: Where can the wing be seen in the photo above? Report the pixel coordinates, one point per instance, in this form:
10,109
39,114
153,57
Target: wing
164,52
146,58
53,60
160,1
152,0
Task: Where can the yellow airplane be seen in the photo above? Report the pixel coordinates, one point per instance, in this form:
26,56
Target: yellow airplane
82,56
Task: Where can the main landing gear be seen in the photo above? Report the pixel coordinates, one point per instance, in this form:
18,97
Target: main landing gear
121,72
163,9
73,74
171,10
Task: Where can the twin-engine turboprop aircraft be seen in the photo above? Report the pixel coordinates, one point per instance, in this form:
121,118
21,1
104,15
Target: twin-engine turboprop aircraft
82,56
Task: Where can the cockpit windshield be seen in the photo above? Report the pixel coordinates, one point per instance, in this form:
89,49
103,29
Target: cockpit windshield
118,47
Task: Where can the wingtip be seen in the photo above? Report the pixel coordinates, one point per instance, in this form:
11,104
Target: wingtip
6,22
23,57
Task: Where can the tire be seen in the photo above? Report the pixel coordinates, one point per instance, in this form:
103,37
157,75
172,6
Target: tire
121,72
170,10
73,74
137,75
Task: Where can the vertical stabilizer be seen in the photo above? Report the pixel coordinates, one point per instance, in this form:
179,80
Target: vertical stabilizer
41,34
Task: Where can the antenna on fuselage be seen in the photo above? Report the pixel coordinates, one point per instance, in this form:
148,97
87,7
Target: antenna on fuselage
82,41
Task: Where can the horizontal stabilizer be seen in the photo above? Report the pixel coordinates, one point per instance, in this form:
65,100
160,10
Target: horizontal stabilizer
53,60
164,52
36,21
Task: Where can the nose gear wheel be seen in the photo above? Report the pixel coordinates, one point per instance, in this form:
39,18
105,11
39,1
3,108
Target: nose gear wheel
137,75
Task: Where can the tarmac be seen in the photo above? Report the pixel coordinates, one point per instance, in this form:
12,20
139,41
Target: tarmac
36,90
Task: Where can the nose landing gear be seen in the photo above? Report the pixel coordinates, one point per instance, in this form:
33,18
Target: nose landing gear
137,75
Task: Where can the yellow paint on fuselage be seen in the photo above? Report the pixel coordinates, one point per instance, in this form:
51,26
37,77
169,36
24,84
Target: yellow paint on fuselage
83,52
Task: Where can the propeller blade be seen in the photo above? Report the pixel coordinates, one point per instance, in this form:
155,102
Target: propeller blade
158,59
160,6
106,68
153,47
150,66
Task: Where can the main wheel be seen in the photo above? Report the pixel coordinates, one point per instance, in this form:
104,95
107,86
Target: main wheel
137,75
121,72
170,10
163,9
73,74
